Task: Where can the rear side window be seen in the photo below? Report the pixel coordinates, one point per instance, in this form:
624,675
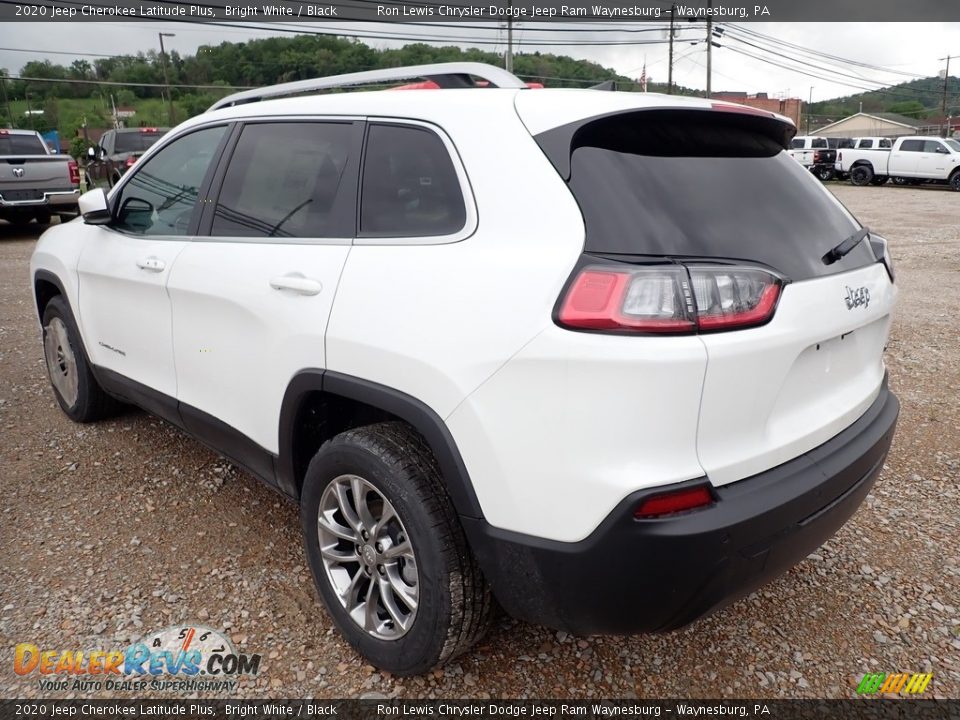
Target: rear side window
886,144
819,143
284,180
21,145
410,187
912,146
796,144
866,144
704,185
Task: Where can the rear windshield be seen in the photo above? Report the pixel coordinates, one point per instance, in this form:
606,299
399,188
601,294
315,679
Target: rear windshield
135,141
21,145
704,185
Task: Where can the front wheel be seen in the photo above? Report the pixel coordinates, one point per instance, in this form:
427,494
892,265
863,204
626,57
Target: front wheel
879,180
861,175
387,552
955,180
76,389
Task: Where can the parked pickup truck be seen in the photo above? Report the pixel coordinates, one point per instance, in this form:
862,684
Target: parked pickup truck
910,159
815,154
34,183
117,152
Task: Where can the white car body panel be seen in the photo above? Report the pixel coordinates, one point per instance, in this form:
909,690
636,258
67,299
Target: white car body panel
775,392
125,307
237,341
577,421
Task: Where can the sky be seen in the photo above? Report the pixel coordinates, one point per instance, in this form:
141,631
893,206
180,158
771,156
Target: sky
903,50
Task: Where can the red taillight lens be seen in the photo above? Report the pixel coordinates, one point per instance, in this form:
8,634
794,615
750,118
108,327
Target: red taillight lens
669,298
130,161
74,172
642,300
673,502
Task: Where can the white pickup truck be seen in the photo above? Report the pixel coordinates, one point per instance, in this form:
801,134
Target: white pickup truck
34,183
928,159
815,154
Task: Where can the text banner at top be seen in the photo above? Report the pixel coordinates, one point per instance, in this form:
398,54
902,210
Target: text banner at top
446,11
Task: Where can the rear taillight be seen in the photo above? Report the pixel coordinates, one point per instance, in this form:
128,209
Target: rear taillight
74,171
130,161
669,299
676,501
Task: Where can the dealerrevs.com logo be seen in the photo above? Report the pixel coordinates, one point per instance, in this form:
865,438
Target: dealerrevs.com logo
188,658
894,683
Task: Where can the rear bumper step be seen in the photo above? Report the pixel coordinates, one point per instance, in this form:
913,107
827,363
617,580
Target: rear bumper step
633,576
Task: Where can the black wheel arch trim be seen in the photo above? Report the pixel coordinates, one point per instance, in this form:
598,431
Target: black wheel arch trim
406,407
51,278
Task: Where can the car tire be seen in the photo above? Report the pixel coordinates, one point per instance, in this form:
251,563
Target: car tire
879,180
74,386
861,175
955,180
899,181
403,538
43,217
824,174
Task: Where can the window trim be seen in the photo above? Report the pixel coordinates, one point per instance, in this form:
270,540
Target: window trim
471,216
205,224
113,198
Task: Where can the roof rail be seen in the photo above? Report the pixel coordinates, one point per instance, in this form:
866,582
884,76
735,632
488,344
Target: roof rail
446,75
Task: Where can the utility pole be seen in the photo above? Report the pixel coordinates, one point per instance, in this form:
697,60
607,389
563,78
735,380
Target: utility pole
166,77
946,80
509,62
709,45
809,103
673,11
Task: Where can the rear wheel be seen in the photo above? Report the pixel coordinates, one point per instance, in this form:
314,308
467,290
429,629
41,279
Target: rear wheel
824,173
76,389
861,175
879,180
387,551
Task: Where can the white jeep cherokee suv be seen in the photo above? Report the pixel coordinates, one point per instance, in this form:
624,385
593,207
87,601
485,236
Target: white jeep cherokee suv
611,359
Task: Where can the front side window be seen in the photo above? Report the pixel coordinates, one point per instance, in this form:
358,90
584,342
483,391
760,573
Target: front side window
932,146
161,197
410,186
284,180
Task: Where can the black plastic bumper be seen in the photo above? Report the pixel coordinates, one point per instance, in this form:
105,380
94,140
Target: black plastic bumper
632,576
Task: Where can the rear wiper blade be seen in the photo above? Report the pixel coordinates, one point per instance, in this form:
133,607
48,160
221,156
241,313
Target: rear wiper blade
846,246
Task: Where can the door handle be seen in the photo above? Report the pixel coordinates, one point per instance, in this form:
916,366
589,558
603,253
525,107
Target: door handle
151,264
297,283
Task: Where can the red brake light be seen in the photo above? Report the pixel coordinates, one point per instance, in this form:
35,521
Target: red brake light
641,300
74,172
130,161
669,298
673,502
148,130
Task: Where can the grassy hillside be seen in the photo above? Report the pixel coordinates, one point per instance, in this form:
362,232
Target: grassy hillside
917,99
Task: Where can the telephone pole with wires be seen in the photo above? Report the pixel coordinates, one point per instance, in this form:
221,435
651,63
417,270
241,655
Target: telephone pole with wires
946,81
673,12
509,57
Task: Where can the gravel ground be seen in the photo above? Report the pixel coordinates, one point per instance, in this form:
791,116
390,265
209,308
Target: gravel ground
112,530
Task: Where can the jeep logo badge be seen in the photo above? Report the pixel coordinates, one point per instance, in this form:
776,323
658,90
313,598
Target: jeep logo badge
857,297
18,172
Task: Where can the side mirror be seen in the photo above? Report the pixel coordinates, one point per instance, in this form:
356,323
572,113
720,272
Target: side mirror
136,214
91,153
94,208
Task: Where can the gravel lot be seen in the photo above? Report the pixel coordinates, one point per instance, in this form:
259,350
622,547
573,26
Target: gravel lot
112,530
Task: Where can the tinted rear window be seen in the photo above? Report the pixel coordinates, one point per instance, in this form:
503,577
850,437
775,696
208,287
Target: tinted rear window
135,141
704,185
21,145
